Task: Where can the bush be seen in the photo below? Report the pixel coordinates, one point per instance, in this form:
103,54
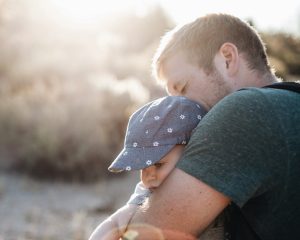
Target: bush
284,50
70,131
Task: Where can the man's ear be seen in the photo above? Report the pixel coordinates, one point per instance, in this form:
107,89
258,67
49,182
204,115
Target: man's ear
230,55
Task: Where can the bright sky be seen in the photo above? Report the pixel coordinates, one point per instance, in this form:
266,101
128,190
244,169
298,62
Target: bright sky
266,14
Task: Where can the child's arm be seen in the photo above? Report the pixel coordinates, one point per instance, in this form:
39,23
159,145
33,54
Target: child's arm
115,225
140,194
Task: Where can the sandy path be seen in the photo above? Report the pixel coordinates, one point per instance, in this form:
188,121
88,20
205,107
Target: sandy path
31,209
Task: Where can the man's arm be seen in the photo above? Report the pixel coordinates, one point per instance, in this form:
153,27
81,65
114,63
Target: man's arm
182,207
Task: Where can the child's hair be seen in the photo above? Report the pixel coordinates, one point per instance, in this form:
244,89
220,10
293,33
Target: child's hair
154,129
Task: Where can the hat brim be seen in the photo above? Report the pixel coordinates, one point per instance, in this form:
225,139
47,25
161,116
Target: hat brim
137,158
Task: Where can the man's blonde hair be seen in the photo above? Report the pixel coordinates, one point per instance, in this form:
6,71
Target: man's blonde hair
201,39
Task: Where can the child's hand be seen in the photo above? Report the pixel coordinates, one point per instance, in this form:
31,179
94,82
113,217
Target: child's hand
115,226
124,215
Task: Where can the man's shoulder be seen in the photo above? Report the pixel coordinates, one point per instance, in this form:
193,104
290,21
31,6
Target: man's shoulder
278,88
260,97
250,92
242,100
255,107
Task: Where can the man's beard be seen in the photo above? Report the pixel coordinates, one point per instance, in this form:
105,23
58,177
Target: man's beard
221,87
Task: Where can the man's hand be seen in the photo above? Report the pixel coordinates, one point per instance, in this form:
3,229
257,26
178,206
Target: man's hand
182,206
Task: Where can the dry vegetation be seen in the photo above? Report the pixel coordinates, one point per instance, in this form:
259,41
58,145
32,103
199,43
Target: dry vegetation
284,50
69,131
66,98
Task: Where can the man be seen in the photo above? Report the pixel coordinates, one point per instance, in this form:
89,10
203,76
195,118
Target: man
244,155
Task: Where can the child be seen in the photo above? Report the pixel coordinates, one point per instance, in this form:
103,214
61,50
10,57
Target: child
155,138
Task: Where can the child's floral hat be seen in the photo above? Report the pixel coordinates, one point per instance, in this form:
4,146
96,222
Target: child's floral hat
154,129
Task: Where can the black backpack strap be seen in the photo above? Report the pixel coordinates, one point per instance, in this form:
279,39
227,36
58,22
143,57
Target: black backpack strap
291,86
236,227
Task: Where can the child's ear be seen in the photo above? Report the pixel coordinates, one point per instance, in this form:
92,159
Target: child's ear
230,55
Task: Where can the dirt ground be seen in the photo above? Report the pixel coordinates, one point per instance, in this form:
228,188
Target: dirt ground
35,210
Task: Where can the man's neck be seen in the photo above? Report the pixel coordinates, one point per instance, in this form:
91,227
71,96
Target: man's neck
268,78
255,79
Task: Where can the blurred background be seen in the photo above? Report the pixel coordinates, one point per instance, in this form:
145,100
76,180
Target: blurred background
71,73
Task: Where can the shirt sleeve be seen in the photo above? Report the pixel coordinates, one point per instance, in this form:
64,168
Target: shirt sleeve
141,193
232,147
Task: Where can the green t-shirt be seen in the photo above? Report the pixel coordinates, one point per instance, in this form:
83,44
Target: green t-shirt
248,148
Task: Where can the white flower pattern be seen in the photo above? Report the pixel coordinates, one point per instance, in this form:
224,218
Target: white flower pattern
149,162
157,119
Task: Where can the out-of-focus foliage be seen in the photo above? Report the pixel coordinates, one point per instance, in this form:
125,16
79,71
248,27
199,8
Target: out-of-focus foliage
284,52
66,91
65,130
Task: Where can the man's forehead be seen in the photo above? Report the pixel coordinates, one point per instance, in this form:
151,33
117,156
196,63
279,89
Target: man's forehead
172,66
171,76
177,68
